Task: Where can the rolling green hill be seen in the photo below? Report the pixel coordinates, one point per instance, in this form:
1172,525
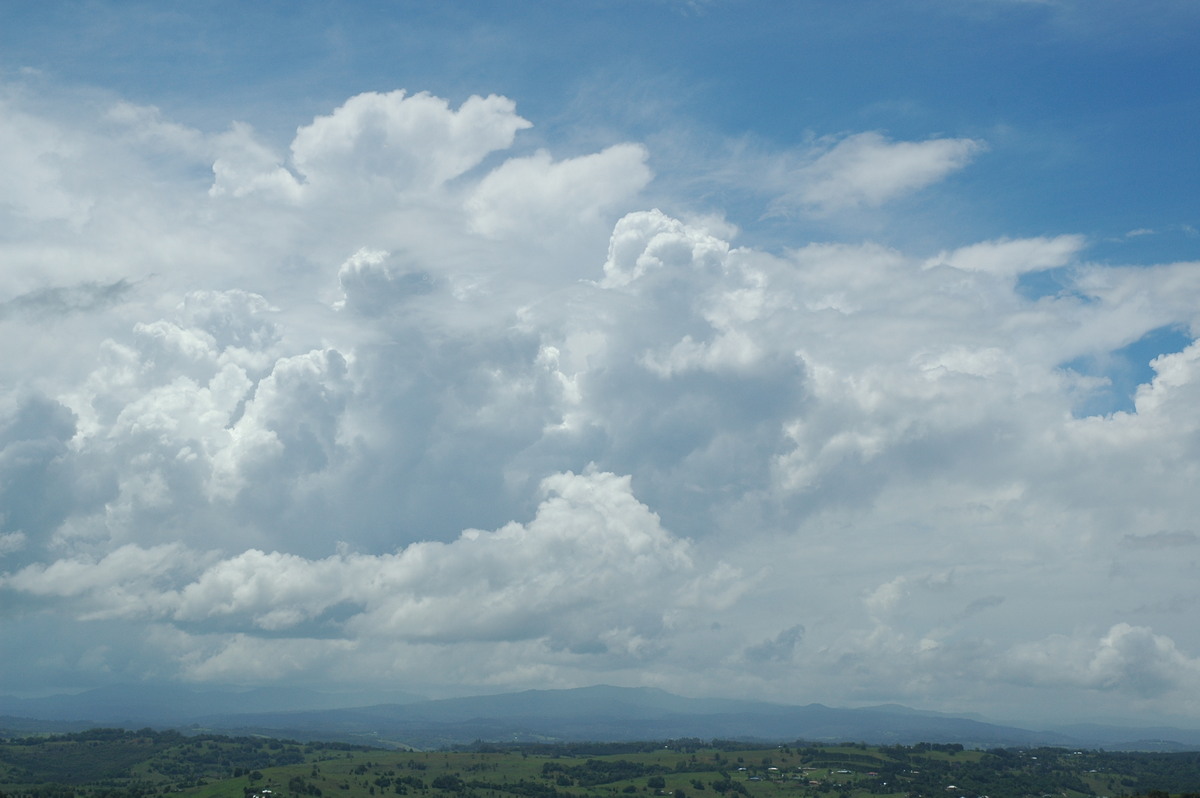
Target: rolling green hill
106,763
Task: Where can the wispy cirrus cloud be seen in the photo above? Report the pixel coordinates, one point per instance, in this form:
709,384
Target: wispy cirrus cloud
868,169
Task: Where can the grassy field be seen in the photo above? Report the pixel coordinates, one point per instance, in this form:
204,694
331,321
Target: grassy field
106,764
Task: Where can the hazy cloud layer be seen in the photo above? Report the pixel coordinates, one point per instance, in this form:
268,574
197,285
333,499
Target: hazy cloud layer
377,404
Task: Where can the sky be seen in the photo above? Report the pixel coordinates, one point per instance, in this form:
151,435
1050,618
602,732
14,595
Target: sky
799,351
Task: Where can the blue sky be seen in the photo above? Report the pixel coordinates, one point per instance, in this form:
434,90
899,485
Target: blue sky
1085,104
485,346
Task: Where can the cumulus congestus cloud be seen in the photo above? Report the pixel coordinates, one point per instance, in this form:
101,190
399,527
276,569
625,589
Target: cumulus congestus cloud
409,397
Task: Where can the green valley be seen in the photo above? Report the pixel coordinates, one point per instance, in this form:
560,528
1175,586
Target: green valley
106,763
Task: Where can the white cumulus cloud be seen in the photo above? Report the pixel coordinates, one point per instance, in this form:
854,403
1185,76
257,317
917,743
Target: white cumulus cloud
256,389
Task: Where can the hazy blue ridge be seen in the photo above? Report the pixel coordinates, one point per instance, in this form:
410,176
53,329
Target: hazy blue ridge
169,705
599,713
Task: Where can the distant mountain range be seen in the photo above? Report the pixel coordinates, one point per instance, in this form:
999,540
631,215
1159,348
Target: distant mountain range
133,706
599,713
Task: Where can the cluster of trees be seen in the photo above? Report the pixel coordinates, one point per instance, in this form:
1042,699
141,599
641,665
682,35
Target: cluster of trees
142,762
599,771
